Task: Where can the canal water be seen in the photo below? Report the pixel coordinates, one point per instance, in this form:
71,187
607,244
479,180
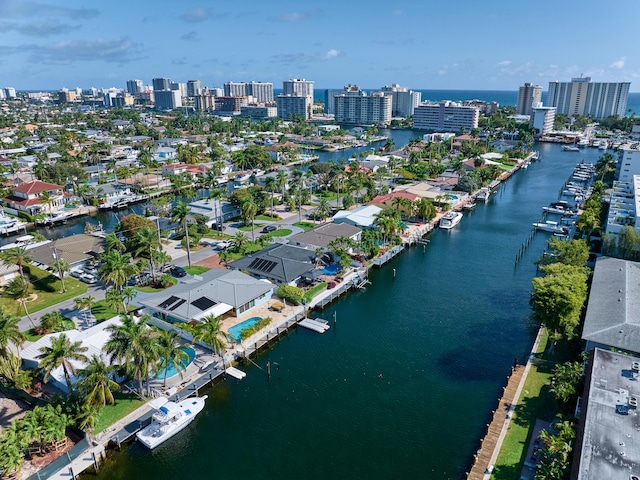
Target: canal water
403,384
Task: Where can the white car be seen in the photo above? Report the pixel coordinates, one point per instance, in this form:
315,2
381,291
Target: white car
222,245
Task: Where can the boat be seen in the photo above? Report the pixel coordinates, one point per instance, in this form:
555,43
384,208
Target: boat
469,206
51,219
450,220
551,227
603,145
483,194
570,148
168,419
241,178
560,208
583,143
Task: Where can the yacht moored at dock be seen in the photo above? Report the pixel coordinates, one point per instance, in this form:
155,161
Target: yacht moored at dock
450,220
551,227
570,148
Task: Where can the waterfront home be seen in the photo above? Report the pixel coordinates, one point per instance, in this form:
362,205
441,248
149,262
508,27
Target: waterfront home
216,292
612,319
93,338
322,235
75,250
26,197
149,181
361,217
280,264
386,201
111,193
214,210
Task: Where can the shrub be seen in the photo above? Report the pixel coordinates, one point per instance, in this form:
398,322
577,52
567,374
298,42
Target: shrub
292,294
260,324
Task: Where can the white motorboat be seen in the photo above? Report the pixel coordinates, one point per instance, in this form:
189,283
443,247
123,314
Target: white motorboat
560,208
450,220
570,148
169,418
469,206
551,226
483,194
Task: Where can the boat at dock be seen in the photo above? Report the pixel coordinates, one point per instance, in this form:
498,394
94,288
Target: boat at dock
560,208
168,419
469,206
570,148
551,227
483,194
450,220
52,219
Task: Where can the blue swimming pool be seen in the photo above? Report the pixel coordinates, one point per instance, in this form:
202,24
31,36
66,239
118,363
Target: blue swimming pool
171,369
331,269
234,332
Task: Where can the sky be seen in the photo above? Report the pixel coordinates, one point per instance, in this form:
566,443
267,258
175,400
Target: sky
421,44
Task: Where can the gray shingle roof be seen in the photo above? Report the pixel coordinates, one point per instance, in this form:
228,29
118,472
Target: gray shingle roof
285,263
322,235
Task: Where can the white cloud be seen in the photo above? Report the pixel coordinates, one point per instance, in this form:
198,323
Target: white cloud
26,8
619,63
196,15
296,16
118,50
504,63
333,53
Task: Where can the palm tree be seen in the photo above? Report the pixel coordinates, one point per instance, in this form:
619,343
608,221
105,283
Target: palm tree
96,384
281,181
171,354
62,267
85,304
9,333
387,223
238,241
116,268
52,321
115,300
324,209
132,345
112,242
180,213
47,199
249,211
148,243
128,294
209,331
20,291
271,185
18,256
60,354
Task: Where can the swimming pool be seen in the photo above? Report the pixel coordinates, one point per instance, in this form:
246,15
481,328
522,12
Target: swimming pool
331,269
171,369
452,197
234,332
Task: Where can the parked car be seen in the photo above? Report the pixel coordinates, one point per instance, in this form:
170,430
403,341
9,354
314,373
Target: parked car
222,245
178,272
268,229
88,278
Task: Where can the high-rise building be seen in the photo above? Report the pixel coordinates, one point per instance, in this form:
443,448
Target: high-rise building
528,96
403,100
167,99
180,87
298,86
581,97
290,105
194,88
542,118
134,86
261,91
232,89
330,95
65,96
10,92
204,102
445,116
161,84
363,109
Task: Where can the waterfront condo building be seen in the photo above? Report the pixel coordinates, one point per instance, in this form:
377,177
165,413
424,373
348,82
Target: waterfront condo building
330,95
194,88
167,99
290,105
445,116
624,207
363,109
261,91
581,97
403,100
542,118
528,96
180,87
134,86
298,86
628,162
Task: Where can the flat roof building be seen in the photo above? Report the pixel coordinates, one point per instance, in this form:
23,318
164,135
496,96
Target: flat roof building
445,116
528,96
582,97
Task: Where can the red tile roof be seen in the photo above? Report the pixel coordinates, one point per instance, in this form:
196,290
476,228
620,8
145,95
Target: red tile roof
391,196
36,187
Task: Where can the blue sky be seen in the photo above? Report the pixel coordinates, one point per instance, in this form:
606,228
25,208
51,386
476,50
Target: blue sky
423,44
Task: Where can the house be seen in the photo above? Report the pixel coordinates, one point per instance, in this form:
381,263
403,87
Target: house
175,168
110,193
7,273
165,153
216,292
151,180
75,250
606,440
387,201
26,197
214,209
281,264
612,319
322,235
362,217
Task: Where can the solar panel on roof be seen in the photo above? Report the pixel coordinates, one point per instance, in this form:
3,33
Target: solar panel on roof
169,301
262,265
203,303
178,303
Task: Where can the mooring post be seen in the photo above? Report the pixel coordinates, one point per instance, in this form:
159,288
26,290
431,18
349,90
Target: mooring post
268,369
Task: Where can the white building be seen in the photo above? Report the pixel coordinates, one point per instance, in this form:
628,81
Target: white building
180,87
261,91
624,207
542,118
167,99
581,97
628,162
363,109
290,105
445,115
528,96
10,92
134,86
403,100
258,111
194,88
298,86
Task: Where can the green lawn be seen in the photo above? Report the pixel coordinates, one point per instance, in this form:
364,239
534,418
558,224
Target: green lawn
234,254
150,289
305,225
31,335
102,312
268,218
281,232
196,270
312,292
47,288
125,404
326,194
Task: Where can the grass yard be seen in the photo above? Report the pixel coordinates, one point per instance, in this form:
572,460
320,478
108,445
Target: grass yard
305,225
281,232
103,312
196,270
47,288
326,194
312,292
268,218
125,404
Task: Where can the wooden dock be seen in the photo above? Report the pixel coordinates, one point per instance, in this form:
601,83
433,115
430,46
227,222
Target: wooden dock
482,465
270,336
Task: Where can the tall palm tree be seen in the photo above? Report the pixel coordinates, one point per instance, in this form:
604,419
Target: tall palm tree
180,213
18,256
171,354
9,333
281,181
115,300
19,291
62,267
60,354
133,346
148,243
112,242
209,331
116,268
96,384
47,199
271,185
324,209
249,211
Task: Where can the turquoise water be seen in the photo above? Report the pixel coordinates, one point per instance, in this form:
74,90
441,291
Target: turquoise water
234,332
171,369
331,269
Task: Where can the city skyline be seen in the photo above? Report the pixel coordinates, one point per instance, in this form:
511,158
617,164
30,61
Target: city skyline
53,44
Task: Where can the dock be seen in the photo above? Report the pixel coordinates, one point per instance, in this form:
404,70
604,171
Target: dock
236,373
388,256
317,325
